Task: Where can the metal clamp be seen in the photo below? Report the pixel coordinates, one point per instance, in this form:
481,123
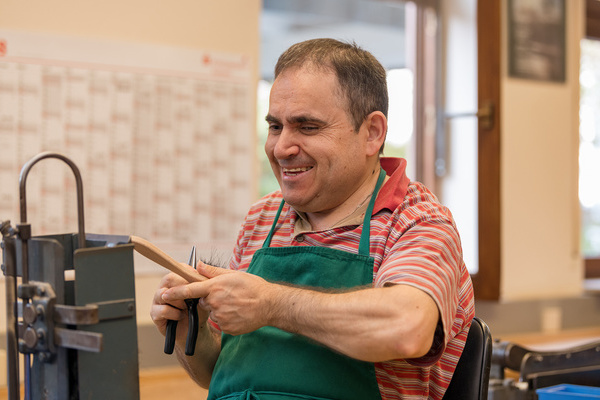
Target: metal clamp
38,333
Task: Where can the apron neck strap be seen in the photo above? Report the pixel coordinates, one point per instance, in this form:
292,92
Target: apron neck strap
267,241
365,236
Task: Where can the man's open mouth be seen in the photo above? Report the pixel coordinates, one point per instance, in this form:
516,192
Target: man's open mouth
295,171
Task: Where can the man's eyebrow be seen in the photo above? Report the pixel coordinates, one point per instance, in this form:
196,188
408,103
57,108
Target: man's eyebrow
306,118
296,119
270,118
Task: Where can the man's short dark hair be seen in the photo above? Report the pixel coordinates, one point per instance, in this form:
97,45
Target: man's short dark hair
361,77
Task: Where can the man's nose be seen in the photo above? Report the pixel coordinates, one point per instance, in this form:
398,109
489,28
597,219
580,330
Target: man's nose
287,144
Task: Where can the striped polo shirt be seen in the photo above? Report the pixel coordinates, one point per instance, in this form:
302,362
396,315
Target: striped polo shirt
414,241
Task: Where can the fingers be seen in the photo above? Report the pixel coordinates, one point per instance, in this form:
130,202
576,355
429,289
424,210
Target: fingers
190,291
172,280
169,281
211,272
161,311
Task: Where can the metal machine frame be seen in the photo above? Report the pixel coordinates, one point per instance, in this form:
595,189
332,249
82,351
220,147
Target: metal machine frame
70,305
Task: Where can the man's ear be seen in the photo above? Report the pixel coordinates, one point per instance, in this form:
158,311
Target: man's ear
376,125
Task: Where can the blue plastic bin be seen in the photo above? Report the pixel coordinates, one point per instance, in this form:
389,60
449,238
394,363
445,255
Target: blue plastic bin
568,392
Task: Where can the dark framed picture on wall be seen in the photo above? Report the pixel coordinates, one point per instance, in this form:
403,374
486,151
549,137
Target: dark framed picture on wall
536,39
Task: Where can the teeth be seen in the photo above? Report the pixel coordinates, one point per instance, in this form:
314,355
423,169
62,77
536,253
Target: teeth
295,170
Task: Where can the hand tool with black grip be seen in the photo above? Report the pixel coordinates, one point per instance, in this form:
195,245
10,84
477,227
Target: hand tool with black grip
192,335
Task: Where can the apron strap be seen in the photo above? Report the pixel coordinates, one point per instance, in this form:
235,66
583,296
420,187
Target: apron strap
365,236
267,241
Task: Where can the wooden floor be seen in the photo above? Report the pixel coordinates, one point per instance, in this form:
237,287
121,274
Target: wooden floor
172,383
161,384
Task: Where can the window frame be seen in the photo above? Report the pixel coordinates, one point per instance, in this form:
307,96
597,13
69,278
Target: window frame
592,32
486,281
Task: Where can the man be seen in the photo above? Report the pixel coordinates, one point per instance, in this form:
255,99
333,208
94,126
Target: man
349,282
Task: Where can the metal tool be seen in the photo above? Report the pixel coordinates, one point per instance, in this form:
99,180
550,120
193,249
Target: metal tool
192,308
578,365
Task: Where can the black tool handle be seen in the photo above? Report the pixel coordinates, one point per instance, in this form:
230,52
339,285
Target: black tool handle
192,335
170,336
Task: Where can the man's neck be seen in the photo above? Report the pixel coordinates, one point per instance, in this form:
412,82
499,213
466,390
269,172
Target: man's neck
327,219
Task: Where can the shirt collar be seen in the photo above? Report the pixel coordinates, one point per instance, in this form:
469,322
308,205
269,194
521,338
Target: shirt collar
394,190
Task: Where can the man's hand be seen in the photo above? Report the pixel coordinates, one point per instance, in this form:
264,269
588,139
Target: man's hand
162,311
208,346
237,301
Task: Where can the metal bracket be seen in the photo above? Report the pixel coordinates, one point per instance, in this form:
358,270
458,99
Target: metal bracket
78,340
76,315
38,333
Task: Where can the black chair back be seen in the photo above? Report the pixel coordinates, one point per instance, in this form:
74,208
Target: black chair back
472,375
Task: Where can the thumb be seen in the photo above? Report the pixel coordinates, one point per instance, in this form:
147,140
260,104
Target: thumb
210,271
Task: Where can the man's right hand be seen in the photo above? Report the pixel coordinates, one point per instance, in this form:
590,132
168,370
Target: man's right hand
161,312
208,346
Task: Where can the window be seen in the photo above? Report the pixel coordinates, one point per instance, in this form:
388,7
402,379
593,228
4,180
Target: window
589,141
589,147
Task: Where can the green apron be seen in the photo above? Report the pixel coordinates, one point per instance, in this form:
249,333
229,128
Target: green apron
271,364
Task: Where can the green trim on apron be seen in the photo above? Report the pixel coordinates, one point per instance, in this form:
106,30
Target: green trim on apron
271,364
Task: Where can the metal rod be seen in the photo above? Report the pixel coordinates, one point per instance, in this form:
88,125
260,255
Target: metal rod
12,348
27,383
78,181
461,115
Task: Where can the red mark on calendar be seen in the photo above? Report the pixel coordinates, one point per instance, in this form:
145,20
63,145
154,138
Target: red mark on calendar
2,47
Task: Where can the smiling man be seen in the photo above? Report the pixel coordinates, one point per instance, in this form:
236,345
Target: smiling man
349,282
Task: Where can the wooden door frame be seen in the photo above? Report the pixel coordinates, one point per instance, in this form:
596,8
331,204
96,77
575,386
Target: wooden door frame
489,49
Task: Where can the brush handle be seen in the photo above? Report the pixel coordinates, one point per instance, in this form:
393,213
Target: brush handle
155,254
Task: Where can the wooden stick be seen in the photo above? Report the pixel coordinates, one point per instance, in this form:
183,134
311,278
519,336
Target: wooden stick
155,254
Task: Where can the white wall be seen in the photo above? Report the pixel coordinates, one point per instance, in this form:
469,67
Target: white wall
225,25
539,170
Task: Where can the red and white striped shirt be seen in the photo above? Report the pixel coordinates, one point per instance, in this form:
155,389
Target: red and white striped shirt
415,242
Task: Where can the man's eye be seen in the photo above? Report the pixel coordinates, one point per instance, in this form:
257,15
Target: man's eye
274,128
309,128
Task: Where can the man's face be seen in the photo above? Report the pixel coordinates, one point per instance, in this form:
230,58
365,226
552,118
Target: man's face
317,157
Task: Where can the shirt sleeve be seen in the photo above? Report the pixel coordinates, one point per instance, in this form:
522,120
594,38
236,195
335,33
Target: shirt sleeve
425,252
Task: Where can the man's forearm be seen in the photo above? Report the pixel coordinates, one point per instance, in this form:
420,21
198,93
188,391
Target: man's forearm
375,324
200,366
